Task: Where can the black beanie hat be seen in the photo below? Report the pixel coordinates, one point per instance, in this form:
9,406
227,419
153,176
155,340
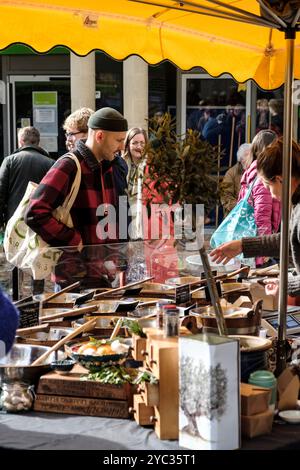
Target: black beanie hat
108,119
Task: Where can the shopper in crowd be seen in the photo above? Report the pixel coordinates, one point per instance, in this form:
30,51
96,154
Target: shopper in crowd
231,183
134,155
267,211
276,114
103,180
76,127
29,162
269,168
9,319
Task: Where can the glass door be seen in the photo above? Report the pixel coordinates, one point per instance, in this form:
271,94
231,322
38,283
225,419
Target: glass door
216,107
42,101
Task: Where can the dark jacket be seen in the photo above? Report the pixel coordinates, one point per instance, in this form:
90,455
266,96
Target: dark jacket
29,163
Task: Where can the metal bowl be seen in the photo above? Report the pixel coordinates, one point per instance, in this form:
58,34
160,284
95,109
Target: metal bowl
239,320
63,367
45,338
179,281
209,311
16,364
103,327
64,300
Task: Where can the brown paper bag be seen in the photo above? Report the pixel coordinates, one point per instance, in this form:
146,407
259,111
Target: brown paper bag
288,390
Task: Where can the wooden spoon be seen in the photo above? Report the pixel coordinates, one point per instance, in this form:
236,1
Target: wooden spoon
63,291
85,327
32,329
118,289
116,328
75,312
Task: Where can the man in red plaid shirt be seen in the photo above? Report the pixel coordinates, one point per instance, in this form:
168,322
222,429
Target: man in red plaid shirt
103,180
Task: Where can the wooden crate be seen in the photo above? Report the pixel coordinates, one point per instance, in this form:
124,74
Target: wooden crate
68,394
81,406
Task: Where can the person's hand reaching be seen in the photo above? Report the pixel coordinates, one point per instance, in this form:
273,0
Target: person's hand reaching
272,287
226,251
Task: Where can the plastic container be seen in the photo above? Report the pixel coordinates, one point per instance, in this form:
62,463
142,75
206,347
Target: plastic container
16,396
264,378
160,313
170,320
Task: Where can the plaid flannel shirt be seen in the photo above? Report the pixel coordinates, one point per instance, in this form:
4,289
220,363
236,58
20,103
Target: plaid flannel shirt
98,186
101,183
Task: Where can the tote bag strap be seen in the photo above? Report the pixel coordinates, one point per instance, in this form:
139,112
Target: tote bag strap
249,191
70,199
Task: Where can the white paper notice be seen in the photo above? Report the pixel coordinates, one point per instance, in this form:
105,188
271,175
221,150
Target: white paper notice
49,143
44,115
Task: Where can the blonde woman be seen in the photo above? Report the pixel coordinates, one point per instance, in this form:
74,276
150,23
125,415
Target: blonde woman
134,155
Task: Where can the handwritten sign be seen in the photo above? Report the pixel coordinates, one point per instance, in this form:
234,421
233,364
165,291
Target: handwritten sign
29,314
183,294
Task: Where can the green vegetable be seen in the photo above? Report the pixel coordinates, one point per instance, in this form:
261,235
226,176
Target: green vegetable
116,375
145,376
134,327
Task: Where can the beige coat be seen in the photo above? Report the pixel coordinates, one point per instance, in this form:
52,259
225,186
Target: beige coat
230,187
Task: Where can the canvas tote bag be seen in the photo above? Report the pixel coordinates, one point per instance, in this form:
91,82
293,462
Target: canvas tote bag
26,249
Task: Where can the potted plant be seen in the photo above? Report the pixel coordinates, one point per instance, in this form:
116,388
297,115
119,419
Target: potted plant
181,169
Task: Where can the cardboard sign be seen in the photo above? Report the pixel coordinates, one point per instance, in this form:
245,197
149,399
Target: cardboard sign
209,392
183,294
29,314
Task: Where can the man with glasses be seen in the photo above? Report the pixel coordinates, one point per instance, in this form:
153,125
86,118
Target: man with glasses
76,127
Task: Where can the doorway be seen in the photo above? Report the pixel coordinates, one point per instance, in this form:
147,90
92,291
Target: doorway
43,101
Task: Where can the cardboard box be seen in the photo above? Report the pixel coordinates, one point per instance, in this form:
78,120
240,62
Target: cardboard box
288,390
243,301
257,425
257,291
254,399
209,395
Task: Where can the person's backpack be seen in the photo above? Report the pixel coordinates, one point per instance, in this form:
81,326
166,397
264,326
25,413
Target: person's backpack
26,249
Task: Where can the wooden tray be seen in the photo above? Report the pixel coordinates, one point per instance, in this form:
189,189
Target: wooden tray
69,395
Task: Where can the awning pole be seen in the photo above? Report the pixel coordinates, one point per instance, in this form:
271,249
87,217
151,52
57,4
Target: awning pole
285,207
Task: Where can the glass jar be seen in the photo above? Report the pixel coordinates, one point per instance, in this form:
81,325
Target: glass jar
170,320
16,396
160,313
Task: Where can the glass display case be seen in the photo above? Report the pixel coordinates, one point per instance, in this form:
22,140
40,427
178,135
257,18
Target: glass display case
111,265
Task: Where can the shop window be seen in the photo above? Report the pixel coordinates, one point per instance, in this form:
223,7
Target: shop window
109,82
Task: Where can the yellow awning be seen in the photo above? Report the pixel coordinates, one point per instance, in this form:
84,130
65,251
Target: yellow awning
122,28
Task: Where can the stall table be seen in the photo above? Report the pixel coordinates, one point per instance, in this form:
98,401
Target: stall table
43,431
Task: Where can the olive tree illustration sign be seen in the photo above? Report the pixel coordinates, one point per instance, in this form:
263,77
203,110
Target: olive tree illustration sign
203,392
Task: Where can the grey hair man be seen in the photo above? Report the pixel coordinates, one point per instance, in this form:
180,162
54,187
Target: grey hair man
230,186
29,162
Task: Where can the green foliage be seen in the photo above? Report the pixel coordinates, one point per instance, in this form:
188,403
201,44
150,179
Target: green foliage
134,327
145,376
181,170
115,375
